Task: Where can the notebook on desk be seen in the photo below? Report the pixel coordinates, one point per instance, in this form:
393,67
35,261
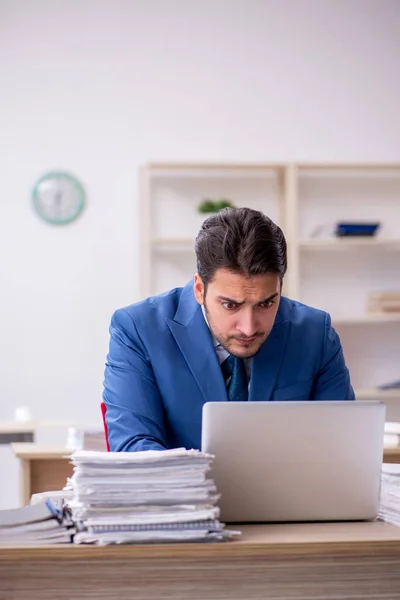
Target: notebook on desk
295,461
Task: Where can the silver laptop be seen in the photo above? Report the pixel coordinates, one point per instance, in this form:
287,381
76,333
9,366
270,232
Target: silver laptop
295,461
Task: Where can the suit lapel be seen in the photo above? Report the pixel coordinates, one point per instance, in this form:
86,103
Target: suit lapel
194,339
267,362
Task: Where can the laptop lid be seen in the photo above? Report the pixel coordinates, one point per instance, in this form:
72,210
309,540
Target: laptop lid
295,461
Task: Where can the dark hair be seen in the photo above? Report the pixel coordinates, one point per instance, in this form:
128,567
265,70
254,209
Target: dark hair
242,240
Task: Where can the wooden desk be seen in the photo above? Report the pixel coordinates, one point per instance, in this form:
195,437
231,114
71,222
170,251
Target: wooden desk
300,562
42,469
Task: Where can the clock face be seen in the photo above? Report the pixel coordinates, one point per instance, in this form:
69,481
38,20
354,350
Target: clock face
58,197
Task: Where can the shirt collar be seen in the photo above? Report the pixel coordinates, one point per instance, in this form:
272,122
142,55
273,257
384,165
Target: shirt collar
215,341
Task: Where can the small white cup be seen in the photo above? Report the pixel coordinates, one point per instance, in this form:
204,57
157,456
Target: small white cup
23,413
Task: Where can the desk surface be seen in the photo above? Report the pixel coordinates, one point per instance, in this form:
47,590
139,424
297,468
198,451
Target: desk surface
32,451
256,540
301,562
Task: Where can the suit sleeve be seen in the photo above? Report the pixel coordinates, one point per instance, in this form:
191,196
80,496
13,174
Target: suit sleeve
333,378
135,415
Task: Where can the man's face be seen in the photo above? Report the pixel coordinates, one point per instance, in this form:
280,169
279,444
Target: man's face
241,311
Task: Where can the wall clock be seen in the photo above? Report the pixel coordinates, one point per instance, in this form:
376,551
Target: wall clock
58,197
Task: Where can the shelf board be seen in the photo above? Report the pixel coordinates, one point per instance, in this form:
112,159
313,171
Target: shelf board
209,166
306,244
349,166
214,166
177,170
367,319
348,243
377,394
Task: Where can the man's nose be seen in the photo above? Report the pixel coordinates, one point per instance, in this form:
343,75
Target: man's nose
246,324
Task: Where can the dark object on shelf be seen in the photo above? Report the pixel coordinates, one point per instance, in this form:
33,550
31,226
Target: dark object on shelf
356,229
393,385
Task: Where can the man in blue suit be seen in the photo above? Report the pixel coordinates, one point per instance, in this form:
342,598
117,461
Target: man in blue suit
228,335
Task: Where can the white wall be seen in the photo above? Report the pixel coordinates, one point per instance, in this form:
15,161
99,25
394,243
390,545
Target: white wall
100,86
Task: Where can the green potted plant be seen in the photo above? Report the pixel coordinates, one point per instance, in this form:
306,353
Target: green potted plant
208,206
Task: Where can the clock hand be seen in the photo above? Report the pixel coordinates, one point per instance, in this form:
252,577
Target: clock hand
57,200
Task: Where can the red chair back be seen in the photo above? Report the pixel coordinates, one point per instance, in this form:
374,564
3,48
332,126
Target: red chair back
103,414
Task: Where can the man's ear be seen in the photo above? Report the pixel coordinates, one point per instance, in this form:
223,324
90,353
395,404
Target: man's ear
198,289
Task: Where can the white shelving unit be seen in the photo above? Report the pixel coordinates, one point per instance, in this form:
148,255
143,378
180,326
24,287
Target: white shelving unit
336,274
323,271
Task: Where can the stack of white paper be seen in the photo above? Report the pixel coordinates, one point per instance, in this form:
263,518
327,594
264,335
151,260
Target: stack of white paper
390,494
152,496
392,435
36,524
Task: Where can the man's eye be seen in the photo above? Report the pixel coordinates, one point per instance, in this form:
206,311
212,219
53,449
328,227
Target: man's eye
267,304
229,305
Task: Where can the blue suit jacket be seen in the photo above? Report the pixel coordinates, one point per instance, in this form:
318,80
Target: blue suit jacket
162,367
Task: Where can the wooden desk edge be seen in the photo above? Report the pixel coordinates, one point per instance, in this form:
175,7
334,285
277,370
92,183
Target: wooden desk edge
202,550
26,451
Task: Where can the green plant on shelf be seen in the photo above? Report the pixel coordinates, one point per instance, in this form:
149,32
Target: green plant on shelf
214,206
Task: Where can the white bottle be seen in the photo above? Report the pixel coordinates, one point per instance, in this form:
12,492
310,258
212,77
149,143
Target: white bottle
74,441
